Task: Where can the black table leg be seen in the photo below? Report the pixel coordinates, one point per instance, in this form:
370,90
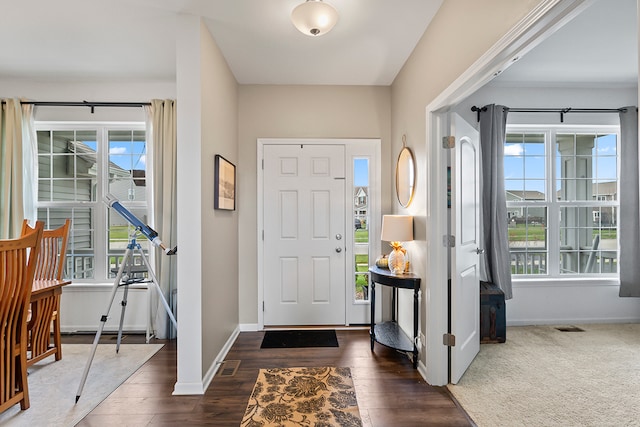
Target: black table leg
372,301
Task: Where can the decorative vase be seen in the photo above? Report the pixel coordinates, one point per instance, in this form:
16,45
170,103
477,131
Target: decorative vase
396,261
382,262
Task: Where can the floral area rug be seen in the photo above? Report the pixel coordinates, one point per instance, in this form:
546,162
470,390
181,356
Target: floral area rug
317,397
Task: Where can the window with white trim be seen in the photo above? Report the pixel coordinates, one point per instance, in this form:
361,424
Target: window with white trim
362,246
561,188
78,164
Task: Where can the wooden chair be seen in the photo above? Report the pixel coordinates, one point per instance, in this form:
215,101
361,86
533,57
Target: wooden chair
49,266
17,267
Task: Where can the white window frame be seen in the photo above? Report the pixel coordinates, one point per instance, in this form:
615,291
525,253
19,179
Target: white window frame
552,204
100,209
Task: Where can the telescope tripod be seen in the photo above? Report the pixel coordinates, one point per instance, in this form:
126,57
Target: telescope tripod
125,280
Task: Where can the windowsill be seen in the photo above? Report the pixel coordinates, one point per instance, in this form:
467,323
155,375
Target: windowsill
566,282
100,286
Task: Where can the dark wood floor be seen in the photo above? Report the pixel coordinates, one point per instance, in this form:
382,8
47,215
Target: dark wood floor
390,392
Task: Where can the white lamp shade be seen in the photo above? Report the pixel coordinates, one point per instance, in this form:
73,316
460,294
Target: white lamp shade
314,17
397,228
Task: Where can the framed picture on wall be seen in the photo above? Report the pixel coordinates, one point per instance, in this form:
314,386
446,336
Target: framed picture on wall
225,184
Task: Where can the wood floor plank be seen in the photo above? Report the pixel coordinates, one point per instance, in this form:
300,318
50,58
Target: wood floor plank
389,391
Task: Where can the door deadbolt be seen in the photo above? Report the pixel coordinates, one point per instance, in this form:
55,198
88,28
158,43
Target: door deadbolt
338,249
338,236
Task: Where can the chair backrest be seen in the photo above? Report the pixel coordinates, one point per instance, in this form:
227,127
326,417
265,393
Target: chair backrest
592,255
53,250
17,267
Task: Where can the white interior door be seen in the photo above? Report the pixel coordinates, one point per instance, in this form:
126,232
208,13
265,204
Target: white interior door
465,273
304,234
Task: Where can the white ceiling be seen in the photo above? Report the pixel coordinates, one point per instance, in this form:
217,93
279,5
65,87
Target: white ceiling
94,40
598,47
124,39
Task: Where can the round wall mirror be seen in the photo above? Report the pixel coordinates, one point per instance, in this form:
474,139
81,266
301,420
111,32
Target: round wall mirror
405,175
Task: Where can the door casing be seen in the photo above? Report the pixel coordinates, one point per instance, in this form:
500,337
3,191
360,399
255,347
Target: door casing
544,20
356,313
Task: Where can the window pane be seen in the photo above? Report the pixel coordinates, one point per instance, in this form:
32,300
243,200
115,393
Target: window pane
70,175
127,165
361,227
535,167
605,152
587,167
525,166
585,172
588,240
528,240
67,165
120,233
80,248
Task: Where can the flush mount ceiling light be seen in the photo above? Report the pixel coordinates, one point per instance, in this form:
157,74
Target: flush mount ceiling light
314,17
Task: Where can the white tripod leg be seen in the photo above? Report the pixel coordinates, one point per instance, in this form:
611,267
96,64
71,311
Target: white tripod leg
103,320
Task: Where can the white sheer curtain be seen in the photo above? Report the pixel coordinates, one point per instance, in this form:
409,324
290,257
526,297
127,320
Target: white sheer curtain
30,163
629,190
17,167
161,142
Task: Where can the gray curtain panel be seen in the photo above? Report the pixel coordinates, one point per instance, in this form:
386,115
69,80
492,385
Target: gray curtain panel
629,191
496,261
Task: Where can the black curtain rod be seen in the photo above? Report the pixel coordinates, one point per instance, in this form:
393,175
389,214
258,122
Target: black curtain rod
91,105
562,111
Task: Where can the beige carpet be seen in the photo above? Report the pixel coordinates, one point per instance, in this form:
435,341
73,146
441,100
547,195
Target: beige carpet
321,397
544,377
53,385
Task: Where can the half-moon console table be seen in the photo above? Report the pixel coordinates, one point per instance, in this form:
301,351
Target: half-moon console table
389,333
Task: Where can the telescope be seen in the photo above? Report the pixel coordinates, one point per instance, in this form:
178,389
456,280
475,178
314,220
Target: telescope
126,265
147,231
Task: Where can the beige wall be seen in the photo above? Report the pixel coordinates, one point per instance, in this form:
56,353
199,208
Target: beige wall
298,112
219,120
207,99
459,34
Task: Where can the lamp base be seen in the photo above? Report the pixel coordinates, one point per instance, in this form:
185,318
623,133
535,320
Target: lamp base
396,261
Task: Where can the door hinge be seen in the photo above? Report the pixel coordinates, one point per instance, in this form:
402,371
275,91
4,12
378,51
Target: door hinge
449,340
262,305
263,235
262,164
448,141
449,241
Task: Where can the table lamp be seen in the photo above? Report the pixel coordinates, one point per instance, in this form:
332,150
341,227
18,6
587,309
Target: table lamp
395,230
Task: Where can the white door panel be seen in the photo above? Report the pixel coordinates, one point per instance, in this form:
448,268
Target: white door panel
304,225
465,279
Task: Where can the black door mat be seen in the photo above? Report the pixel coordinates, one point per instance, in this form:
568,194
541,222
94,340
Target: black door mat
299,338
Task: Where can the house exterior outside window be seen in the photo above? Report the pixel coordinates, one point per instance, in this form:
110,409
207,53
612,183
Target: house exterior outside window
561,191
78,164
362,247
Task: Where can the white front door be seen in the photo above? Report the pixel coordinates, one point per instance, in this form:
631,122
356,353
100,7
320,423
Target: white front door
465,273
304,234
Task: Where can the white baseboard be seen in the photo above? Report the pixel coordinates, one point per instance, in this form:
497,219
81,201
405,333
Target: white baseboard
200,388
572,321
422,370
248,327
187,389
211,372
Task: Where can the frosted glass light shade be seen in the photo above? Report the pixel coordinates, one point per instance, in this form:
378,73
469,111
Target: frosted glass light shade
397,228
314,17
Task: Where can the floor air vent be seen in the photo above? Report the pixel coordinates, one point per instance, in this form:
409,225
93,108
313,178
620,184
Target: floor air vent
228,368
569,329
